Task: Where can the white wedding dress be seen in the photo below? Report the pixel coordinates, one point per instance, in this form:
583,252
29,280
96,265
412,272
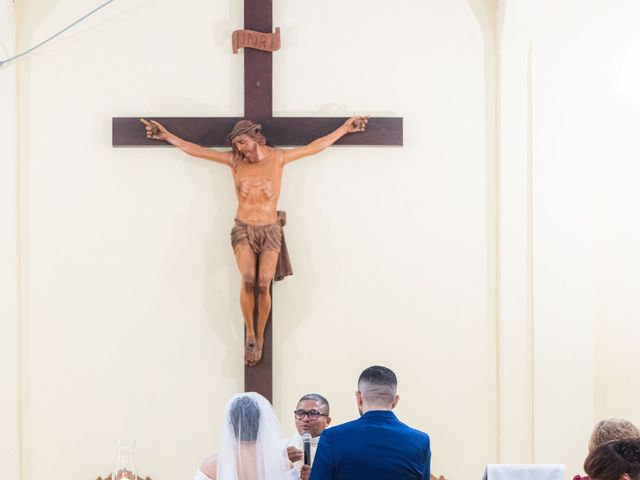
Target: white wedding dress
251,445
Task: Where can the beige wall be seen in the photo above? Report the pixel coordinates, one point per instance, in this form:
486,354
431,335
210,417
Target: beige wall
131,326
480,260
514,367
9,365
586,273
568,270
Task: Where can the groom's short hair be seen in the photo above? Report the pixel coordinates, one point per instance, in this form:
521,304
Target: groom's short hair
378,385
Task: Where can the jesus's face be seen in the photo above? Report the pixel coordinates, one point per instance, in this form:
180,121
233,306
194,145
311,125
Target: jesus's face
247,147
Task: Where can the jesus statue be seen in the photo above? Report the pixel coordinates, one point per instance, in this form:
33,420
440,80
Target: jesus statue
257,236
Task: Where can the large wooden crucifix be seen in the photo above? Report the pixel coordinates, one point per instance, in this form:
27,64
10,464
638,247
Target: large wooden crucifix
282,131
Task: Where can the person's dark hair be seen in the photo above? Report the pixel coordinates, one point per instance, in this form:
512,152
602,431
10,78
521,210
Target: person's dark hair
316,397
245,419
611,460
378,385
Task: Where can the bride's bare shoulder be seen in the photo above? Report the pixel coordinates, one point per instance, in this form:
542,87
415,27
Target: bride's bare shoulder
209,465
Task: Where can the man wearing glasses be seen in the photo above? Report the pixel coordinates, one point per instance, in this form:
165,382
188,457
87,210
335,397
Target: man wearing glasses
312,417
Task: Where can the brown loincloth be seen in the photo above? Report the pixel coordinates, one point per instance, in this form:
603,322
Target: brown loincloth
265,237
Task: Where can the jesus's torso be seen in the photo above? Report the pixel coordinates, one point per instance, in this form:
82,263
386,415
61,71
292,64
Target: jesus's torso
258,188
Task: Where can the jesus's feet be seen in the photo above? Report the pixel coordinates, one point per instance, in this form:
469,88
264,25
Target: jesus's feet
252,351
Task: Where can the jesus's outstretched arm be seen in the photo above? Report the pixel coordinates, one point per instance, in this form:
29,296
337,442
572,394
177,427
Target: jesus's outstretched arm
156,131
352,125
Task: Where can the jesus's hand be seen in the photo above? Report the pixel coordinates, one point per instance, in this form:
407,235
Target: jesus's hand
155,130
356,123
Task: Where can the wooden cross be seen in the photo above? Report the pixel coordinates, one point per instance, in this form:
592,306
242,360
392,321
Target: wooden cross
282,131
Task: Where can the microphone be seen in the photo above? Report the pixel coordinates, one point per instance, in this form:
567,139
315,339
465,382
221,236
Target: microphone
306,447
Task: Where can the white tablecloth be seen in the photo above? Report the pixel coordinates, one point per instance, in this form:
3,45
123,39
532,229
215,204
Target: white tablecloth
523,472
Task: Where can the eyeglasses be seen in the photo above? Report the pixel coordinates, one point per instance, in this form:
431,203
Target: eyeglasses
312,414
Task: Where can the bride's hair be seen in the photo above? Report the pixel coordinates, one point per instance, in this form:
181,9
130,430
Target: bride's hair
245,419
251,430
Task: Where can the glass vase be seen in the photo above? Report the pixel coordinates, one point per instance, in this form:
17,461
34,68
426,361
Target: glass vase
125,466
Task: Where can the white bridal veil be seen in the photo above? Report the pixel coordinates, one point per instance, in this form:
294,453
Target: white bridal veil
251,447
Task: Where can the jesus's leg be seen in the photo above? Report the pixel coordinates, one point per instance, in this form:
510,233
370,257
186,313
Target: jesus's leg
266,270
246,260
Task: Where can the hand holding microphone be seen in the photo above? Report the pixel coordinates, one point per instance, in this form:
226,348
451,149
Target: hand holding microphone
305,472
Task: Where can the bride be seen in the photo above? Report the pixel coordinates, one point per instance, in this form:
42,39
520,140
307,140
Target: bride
251,446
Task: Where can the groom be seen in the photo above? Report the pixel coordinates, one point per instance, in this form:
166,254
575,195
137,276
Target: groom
377,445
257,237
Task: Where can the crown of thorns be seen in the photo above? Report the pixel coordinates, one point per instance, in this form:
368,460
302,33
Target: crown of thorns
243,126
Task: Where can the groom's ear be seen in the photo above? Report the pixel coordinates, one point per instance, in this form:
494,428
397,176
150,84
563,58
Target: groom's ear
359,398
395,402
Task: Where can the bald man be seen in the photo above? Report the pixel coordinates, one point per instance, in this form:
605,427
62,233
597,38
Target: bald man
377,445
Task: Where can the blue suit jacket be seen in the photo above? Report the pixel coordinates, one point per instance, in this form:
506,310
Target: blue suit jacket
377,446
